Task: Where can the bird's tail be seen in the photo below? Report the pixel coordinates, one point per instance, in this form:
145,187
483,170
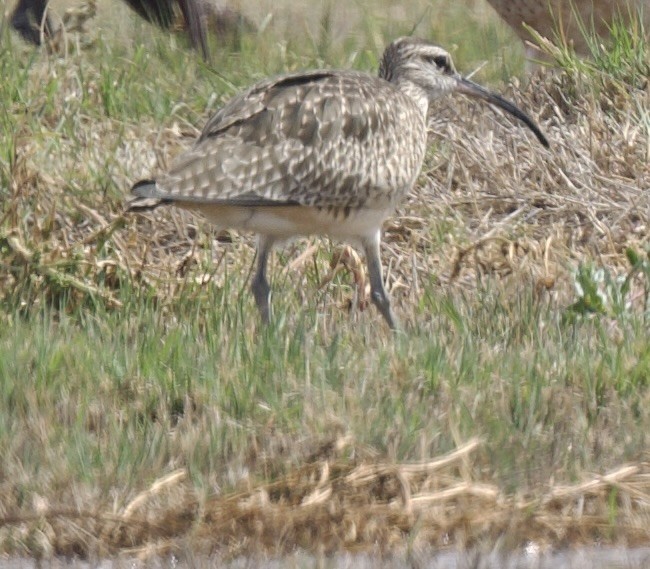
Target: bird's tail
145,192
162,13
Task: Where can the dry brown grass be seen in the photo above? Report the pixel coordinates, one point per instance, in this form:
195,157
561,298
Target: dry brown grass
541,211
336,503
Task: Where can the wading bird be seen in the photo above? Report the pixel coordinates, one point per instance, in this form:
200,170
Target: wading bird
322,152
30,16
573,22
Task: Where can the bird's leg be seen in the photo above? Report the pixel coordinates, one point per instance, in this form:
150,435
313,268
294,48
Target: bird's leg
377,291
260,285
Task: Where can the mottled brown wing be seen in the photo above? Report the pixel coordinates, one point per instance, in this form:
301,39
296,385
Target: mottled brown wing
332,140
247,104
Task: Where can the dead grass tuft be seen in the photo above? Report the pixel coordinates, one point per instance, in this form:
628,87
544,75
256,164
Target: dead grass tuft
337,504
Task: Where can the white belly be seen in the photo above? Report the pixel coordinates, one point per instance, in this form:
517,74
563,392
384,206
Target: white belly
287,221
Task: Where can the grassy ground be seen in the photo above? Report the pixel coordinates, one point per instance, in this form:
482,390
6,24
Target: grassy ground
144,409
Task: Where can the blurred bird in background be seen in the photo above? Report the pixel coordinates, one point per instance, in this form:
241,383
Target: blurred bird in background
31,20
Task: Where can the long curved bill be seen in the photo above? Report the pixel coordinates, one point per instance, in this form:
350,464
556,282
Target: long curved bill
472,89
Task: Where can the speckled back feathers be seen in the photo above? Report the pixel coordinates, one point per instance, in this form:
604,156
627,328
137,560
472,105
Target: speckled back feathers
327,139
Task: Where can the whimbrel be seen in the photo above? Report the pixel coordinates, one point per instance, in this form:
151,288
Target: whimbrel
322,152
29,16
571,21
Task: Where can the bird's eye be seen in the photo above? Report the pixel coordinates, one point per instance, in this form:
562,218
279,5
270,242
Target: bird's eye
440,61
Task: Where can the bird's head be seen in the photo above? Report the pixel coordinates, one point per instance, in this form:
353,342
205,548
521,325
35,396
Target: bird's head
418,63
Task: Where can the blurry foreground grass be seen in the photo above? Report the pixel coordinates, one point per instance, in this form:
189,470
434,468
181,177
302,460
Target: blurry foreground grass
143,409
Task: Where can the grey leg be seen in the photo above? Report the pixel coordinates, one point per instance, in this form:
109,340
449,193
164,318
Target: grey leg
377,291
260,285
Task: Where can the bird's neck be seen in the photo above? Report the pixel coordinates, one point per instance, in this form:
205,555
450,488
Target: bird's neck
415,92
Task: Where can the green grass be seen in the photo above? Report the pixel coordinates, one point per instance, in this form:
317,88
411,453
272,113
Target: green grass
125,394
